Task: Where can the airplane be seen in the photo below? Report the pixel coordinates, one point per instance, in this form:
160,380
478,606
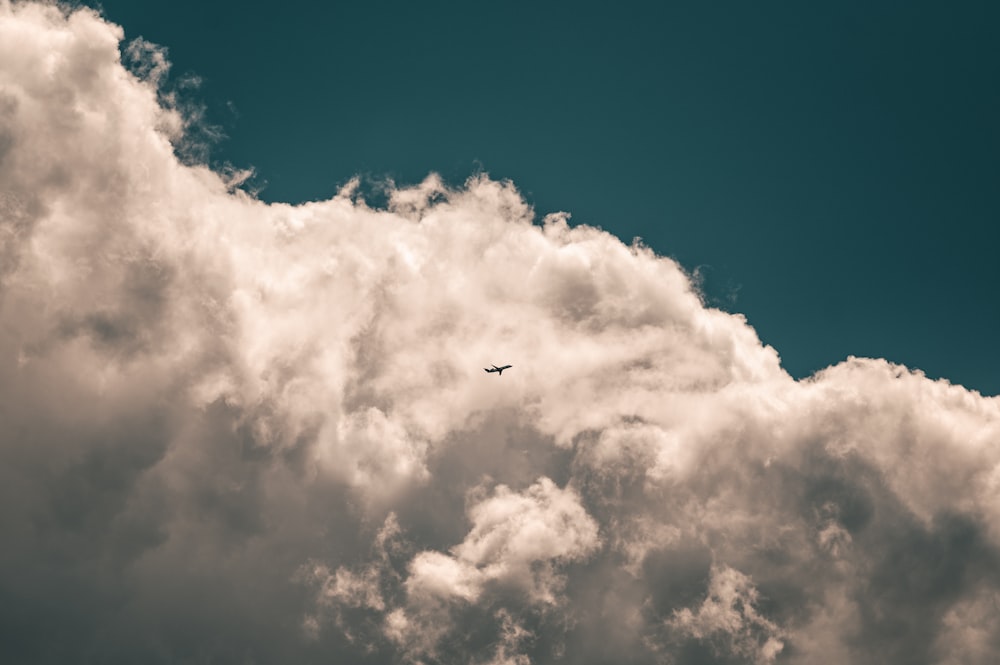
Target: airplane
498,370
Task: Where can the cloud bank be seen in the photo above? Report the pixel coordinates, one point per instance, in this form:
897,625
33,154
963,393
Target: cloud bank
235,432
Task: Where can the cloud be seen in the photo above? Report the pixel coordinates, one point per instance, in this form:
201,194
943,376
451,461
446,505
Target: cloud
241,432
728,619
514,554
517,544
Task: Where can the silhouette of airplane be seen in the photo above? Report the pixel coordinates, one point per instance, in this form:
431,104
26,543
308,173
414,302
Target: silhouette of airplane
498,370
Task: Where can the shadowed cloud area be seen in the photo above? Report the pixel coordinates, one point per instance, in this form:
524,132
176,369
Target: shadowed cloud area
240,432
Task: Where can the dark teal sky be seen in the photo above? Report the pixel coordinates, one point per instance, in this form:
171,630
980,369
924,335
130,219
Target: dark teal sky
835,169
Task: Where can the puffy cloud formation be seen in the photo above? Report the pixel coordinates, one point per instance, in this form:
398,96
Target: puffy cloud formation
235,432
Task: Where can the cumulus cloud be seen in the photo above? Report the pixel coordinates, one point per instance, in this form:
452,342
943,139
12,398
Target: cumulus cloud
728,619
239,432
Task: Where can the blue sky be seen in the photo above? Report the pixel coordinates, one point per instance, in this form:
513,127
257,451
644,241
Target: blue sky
830,171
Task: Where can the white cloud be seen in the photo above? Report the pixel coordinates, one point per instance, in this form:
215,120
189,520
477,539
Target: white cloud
515,540
729,615
519,542
221,416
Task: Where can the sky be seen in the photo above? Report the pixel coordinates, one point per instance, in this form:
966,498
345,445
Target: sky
830,170
245,425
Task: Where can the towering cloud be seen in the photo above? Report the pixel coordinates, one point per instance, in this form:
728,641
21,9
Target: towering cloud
237,432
